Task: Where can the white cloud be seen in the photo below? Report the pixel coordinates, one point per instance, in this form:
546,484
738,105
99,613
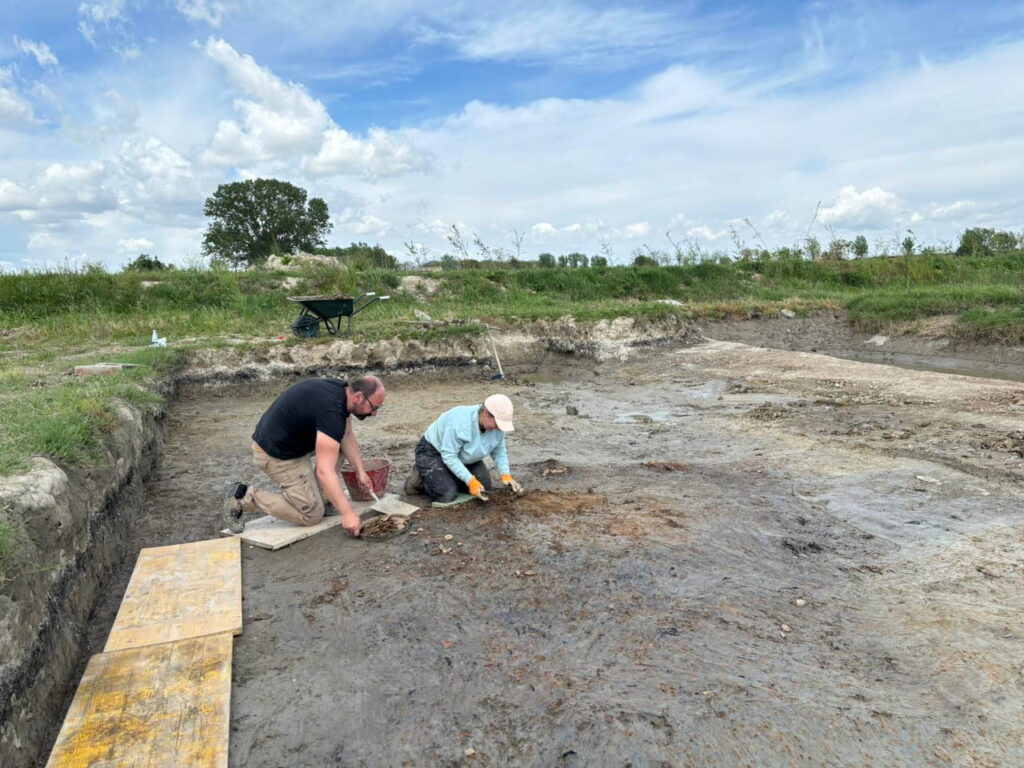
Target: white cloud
105,25
566,31
47,241
15,110
13,196
213,12
704,232
102,12
41,51
953,211
283,121
777,217
94,15
637,230
60,190
381,154
365,224
135,245
543,228
873,208
159,174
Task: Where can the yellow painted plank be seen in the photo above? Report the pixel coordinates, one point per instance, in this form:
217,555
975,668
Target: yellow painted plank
181,591
161,706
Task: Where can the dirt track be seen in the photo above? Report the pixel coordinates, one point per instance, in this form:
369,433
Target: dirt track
821,568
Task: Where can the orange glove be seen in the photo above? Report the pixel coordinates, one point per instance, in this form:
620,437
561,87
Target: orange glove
517,489
476,488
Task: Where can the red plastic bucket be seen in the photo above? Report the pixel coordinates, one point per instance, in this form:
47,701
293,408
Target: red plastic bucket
377,469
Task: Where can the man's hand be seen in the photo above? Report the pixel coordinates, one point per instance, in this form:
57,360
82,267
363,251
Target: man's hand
351,523
476,488
363,480
517,489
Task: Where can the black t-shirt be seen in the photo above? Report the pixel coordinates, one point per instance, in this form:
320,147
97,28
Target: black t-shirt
288,429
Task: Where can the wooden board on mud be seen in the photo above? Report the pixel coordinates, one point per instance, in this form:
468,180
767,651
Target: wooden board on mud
178,592
161,706
271,533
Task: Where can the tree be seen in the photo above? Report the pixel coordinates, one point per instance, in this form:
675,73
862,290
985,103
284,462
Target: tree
813,248
146,263
908,245
981,241
599,261
860,246
252,219
546,260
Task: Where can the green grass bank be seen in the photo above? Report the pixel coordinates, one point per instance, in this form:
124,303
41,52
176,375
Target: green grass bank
48,319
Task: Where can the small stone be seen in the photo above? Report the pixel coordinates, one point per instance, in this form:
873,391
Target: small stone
445,551
469,752
518,572
572,410
800,602
785,628
529,573
448,537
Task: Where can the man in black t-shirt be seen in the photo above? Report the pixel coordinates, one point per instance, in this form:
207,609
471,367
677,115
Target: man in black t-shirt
309,418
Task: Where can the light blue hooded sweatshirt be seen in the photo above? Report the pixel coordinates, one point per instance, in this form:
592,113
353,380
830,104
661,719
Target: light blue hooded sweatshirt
456,435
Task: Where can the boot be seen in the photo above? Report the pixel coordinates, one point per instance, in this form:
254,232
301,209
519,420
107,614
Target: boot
413,483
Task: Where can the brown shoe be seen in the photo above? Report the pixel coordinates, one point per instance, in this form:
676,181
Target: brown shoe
413,483
232,512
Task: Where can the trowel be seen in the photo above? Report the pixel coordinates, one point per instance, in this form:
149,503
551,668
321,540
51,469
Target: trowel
390,505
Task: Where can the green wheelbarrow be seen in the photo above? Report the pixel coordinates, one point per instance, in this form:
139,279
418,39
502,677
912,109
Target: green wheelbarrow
328,311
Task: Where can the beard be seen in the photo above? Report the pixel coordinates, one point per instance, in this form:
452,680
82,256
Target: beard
361,416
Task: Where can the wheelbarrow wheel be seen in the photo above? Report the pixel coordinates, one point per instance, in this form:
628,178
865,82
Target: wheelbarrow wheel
306,326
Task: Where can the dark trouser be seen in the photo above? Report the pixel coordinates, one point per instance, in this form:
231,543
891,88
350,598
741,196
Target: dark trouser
439,482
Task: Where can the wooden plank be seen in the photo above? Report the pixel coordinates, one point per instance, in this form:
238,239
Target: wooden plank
181,591
271,533
160,706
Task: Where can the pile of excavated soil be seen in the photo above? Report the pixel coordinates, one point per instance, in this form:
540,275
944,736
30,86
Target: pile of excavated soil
384,527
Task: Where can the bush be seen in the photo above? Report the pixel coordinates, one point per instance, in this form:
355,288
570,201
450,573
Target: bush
146,263
980,241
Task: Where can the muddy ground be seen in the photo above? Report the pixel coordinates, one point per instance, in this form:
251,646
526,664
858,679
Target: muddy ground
821,568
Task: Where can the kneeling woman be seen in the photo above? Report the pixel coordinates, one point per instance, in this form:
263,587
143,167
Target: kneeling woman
450,456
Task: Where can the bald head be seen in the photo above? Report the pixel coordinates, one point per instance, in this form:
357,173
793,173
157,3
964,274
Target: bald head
368,385
365,397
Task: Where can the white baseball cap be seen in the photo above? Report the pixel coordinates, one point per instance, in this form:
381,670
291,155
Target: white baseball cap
500,407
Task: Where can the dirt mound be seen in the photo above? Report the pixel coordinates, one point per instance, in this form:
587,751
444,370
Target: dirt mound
384,527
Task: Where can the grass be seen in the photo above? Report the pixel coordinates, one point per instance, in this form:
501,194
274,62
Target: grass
10,552
47,318
63,418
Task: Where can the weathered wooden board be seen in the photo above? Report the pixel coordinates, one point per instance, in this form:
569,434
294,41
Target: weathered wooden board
160,706
180,591
271,533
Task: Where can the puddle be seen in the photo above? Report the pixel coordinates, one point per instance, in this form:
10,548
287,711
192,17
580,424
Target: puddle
639,417
935,363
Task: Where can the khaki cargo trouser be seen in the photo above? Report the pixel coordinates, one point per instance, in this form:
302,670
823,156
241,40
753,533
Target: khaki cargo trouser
299,502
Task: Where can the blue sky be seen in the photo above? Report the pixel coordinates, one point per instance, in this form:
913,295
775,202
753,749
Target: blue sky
576,125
